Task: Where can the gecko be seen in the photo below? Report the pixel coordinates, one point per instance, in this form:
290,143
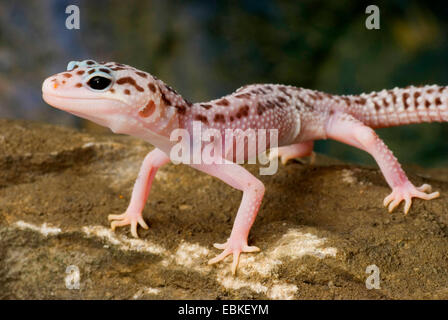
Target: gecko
133,102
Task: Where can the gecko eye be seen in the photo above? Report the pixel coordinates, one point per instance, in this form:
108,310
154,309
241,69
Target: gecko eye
99,83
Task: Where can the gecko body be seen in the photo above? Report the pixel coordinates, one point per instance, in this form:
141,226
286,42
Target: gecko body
134,102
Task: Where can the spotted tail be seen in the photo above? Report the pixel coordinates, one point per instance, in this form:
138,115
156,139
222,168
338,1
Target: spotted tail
388,108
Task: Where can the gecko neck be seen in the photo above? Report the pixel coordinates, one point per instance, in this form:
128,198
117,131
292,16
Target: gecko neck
173,107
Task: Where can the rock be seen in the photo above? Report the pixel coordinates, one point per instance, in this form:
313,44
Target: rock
319,227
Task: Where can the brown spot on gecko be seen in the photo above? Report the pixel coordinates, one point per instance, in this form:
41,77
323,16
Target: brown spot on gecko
126,91
405,100
427,104
243,96
118,68
170,89
112,90
147,110
142,74
67,75
104,70
438,101
200,117
90,62
377,107
429,91
243,112
394,97
281,100
166,100
91,71
312,96
304,103
80,72
206,106
260,108
416,95
223,102
285,91
152,87
78,85
231,118
130,81
181,109
386,104
219,118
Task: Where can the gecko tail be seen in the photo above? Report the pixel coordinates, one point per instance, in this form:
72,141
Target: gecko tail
400,106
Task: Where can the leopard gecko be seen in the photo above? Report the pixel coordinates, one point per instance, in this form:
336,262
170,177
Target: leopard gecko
136,103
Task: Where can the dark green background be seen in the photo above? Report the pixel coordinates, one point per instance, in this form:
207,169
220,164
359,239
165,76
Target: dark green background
206,49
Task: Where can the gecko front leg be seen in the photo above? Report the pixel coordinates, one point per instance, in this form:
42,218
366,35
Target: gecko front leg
345,128
133,215
253,191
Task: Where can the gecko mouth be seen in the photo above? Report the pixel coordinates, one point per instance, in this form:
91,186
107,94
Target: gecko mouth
96,109
68,103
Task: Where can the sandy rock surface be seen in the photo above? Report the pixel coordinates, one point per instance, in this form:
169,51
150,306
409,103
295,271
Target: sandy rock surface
319,227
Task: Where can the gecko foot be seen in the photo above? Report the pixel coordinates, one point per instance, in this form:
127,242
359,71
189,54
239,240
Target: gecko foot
232,247
285,155
127,218
406,193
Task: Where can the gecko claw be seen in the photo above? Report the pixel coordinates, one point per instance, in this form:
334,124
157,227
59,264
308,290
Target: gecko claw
406,193
234,250
133,219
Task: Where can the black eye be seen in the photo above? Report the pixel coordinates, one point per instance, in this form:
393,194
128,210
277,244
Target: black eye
99,83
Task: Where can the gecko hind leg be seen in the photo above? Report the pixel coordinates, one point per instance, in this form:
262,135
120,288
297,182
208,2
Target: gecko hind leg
347,129
294,151
133,215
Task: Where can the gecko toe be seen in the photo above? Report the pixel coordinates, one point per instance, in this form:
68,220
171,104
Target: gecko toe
236,258
220,257
220,246
405,193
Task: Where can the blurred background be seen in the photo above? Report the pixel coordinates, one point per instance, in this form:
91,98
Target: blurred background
206,49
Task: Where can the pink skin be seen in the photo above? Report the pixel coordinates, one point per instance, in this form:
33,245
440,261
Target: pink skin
347,129
138,104
294,151
253,191
133,215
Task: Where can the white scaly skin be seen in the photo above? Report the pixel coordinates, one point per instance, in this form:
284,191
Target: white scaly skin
133,102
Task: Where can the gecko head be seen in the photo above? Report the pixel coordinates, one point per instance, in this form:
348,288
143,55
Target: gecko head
111,94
